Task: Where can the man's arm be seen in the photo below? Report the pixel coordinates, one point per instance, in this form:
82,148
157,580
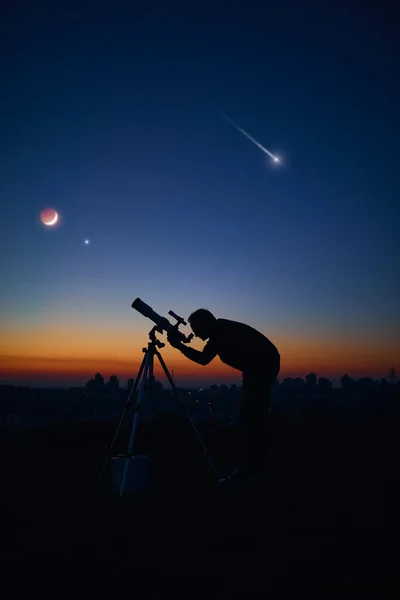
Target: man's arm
202,358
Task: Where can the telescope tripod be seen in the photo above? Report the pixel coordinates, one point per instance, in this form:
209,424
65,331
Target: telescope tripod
146,372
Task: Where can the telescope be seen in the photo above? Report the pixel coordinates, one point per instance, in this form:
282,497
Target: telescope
124,463
162,323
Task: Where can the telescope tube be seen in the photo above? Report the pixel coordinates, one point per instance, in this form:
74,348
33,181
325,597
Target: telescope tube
148,312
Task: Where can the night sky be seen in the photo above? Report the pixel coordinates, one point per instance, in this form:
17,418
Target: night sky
111,116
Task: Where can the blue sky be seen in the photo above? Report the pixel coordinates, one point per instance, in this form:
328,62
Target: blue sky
111,116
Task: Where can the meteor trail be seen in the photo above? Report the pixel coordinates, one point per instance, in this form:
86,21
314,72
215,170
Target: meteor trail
274,158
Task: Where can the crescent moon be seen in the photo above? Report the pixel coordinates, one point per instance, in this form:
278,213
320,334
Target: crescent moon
54,220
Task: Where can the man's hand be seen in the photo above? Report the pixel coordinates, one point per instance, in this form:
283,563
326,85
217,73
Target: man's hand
173,338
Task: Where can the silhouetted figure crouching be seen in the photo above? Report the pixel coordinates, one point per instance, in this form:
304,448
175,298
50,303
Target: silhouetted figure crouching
246,349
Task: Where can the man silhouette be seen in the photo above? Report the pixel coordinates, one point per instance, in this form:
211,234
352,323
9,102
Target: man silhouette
246,349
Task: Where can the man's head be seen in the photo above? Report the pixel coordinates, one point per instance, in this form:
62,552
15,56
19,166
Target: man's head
202,322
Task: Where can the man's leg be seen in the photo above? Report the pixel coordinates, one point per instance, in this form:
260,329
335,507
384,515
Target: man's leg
254,424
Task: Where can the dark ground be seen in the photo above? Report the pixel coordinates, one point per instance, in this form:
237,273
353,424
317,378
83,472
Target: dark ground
317,526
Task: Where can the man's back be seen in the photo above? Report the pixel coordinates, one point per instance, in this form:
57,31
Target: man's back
241,346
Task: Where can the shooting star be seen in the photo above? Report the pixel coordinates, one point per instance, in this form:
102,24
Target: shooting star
275,158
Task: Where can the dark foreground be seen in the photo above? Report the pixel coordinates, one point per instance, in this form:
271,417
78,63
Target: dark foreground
317,526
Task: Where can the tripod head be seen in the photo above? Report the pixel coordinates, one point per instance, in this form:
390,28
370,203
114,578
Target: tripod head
162,323
155,341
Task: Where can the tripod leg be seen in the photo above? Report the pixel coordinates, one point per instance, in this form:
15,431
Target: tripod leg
164,366
127,405
143,391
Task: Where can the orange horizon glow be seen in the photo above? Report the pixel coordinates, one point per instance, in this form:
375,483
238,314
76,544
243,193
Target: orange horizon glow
75,351
63,368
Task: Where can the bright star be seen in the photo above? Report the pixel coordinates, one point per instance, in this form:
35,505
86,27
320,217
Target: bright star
87,242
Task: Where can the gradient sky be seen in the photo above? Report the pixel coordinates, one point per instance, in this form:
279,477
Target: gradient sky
111,116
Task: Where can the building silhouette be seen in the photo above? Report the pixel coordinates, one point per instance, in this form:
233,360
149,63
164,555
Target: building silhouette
311,380
324,384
